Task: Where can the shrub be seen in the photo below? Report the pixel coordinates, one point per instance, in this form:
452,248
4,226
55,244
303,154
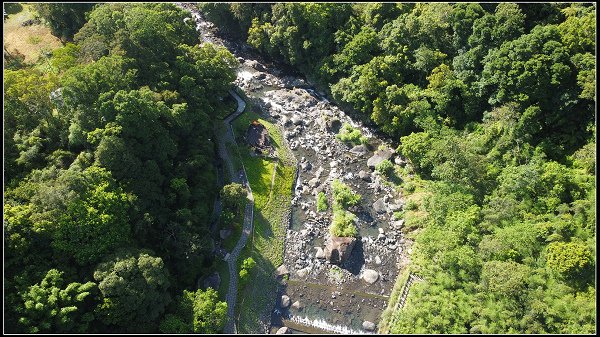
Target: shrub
247,265
350,135
322,202
411,205
343,224
386,168
343,196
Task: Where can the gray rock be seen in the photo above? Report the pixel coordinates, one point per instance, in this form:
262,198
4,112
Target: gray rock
398,223
338,249
281,270
213,281
320,254
364,176
314,182
377,260
297,305
370,276
296,120
285,301
303,272
359,150
399,161
379,156
283,330
369,326
333,124
224,233
379,206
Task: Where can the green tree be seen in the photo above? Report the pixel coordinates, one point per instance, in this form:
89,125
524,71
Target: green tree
48,308
96,222
134,287
65,19
233,196
570,259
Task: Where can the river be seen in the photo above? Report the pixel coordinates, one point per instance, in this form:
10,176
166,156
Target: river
325,297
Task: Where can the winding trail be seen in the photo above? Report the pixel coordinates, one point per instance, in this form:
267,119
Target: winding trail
241,178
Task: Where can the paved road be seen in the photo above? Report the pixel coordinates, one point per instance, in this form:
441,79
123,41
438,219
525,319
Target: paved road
239,177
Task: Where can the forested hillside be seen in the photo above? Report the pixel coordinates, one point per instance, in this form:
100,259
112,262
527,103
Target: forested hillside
494,107
109,174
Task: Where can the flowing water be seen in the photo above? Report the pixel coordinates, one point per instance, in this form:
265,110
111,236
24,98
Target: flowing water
325,297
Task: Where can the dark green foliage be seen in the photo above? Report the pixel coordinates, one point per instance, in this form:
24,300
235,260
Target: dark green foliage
64,19
134,288
94,223
247,265
350,135
119,156
196,312
493,106
385,167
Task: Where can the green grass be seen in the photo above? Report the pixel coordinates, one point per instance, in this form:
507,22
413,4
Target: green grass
223,270
388,315
271,214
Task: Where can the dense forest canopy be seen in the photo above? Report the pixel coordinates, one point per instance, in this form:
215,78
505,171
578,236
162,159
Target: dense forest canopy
494,107
109,174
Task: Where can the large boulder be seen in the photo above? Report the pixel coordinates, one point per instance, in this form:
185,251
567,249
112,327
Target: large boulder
370,276
369,326
297,305
359,150
281,270
285,301
364,175
320,254
333,124
379,156
380,206
283,330
338,249
213,281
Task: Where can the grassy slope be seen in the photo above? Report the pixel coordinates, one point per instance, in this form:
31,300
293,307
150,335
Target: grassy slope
412,223
270,223
30,41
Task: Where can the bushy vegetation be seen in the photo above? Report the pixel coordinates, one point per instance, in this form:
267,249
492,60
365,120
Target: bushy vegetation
343,224
343,196
350,135
107,147
493,105
386,168
322,205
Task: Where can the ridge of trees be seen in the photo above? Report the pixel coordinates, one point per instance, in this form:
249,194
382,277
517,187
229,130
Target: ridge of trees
109,175
493,105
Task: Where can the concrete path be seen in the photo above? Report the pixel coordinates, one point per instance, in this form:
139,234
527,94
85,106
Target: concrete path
239,177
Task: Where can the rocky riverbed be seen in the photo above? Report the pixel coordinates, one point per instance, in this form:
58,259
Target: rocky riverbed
344,298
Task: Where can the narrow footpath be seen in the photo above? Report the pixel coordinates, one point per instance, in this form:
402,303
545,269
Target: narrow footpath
239,177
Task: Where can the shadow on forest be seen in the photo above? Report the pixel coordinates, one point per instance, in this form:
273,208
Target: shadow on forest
12,8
